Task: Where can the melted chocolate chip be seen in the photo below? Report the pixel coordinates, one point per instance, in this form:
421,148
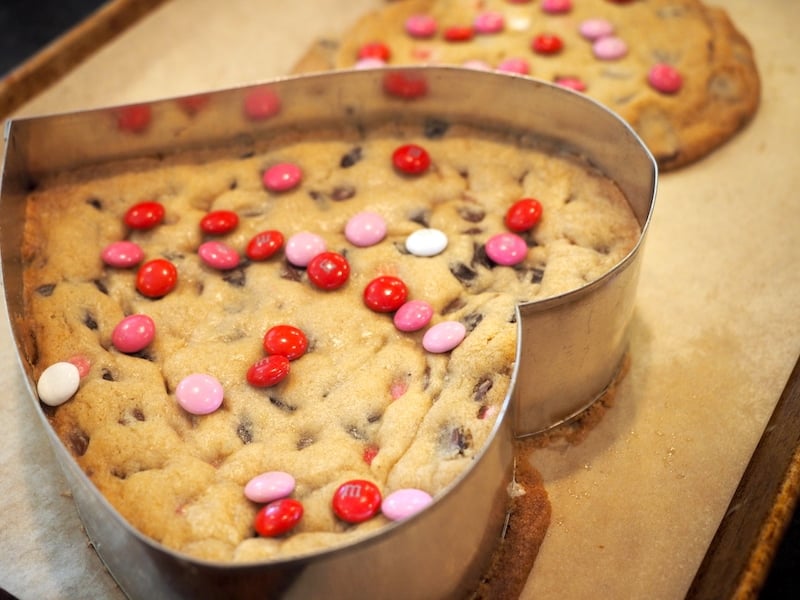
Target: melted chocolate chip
463,273
233,185
482,388
436,128
305,441
480,258
373,418
471,214
144,354
108,375
119,473
280,404
472,320
78,441
453,306
351,158
534,275
245,432
95,203
343,192
89,321
138,414
482,411
421,217
46,289
290,272
455,442
100,286
356,433
236,277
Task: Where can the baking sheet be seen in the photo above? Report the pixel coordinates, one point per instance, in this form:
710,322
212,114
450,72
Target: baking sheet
714,340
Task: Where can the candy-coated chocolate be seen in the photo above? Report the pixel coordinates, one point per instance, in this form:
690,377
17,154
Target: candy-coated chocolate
610,48
286,340
405,85
444,336
665,78
356,501
377,50
426,242
122,254
303,246
269,486
520,66
156,278
572,83
404,503
547,43
365,229
459,33
421,26
555,7
268,371
261,103
58,383
144,215
282,177
411,159
328,270
218,255
369,63
135,118
82,362
278,517
264,244
489,21
506,249
219,221
133,333
477,64
595,28
523,214
199,393
385,294
413,315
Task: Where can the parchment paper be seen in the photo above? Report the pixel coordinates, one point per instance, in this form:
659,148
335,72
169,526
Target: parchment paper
715,335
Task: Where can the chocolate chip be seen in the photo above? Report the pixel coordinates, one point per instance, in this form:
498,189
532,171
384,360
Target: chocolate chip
138,414
89,321
95,203
463,273
356,433
455,441
305,441
46,289
435,128
343,192
480,258
472,214
472,320
78,441
245,432
290,272
236,277
421,217
534,275
453,306
233,185
351,158
482,388
101,286
280,404
118,473
107,375
482,411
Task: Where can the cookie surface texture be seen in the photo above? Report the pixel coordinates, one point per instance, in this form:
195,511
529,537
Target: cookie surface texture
678,71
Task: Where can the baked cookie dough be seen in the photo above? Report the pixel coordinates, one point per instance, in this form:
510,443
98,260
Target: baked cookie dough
361,397
678,71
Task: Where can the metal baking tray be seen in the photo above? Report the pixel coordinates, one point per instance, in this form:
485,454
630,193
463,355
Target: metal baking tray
568,348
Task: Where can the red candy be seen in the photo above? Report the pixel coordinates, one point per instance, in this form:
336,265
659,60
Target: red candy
356,501
385,294
370,452
268,371
278,517
547,43
156,278
328,270
134,118
264,244
144,215
377,50
192,105
665,78
523,214
219,221
405,85
286,340
459,33
411,159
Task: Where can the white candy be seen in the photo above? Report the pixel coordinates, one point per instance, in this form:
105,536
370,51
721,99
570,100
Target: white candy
58,383
426,242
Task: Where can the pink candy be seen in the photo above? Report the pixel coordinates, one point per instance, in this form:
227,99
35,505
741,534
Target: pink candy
303,246
261,103
610,48
489,22
413,315
556,6
594,29
122,254
365,229
665,78
133,333
404,503
199,394
421,26
519,66
269,486
282,177
506,249
218,255
444,336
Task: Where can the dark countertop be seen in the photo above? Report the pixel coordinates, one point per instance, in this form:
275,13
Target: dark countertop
29,26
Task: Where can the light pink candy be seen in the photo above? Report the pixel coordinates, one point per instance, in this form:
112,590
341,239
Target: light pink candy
269,486
594,29
365,229
369,63
413,315
303,246
404,503
122,254
506,249
476,64
199,394
519,66
421,26
218,255
133,333
489,21
665,78
556,6
282,177
444,336
610,48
